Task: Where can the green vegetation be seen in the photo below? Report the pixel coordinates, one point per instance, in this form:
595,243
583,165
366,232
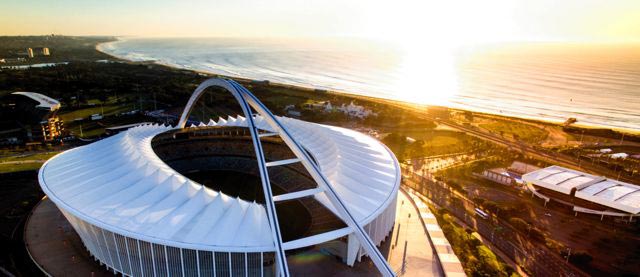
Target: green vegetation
629,166
70,115
61,48
516,131
492,160
27,157
527,228
506,210
477,259
13,167
431,143
24,162
87,81
602,133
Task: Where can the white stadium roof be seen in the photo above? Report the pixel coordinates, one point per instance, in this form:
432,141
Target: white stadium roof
607,192
44,101
120,184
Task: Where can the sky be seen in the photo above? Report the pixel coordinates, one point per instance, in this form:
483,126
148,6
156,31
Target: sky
450,22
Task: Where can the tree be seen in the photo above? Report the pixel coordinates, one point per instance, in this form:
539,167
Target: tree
490,266
580,258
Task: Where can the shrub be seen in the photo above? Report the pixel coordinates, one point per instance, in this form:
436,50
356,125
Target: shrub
528,229
519,224
580,258
477,259
490,264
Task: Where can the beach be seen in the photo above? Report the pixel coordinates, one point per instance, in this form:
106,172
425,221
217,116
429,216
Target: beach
542,82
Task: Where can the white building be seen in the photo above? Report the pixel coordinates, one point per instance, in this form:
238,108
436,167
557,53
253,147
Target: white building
588,193
353,110
44,102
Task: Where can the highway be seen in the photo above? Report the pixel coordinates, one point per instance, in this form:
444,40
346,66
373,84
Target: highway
556,158
551,157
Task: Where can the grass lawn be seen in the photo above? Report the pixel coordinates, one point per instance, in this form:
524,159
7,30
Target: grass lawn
91,128
427,143
5,168
524,132
86,132
36,156
442,141
31,161
436,136
69,116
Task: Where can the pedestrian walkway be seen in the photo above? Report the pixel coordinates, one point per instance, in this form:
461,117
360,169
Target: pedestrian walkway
450,263
55,247
407,249
411,252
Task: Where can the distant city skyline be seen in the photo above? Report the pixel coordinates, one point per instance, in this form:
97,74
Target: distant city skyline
453,22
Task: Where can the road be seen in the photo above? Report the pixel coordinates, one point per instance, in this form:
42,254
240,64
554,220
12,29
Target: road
556,158
534,257
552,157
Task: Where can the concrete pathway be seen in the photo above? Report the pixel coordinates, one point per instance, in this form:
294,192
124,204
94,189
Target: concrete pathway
450,262
407,248
55,246
57,249
411,252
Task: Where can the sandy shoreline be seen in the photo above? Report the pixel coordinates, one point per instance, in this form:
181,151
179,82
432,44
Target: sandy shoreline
99,47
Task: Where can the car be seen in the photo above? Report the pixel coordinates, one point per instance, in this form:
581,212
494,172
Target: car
481,213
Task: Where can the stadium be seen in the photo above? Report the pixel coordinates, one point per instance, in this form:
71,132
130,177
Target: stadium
228,197
585,193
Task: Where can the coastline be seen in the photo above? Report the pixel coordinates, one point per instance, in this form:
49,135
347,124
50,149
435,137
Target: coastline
398,103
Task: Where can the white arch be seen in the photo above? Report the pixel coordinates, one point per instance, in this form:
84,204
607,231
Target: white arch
247,101
281,260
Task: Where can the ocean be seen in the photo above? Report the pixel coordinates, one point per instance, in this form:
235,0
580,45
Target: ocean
599,85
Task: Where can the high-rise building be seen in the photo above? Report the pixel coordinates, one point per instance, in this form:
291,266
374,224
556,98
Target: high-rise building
30,52
29,117
52,128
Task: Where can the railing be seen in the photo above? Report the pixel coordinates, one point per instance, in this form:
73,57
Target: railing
424,225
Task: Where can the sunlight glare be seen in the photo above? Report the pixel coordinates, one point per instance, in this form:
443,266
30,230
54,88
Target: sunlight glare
429,33
426,75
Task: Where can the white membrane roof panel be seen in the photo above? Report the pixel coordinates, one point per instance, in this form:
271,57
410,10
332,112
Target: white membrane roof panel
543,173
121,185
631,200
556,179
614,192
597,187
607,192
575,181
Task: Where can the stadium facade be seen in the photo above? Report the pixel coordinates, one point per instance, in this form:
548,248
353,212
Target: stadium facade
133,203
586,193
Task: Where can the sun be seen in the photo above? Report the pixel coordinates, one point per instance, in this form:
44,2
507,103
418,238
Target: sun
429,35
426,75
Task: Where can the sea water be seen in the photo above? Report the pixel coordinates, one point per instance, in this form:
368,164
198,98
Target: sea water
599,85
